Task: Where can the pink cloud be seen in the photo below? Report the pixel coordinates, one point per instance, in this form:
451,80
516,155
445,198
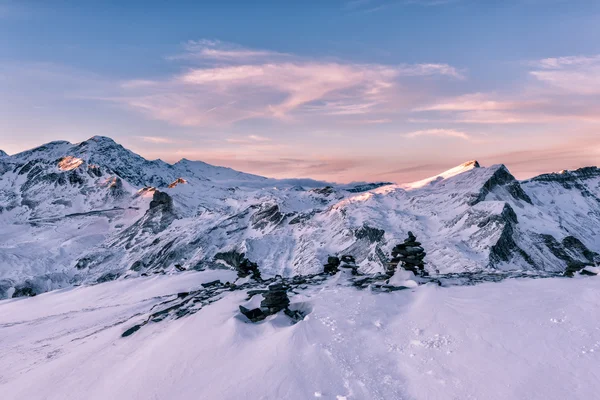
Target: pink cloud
235,83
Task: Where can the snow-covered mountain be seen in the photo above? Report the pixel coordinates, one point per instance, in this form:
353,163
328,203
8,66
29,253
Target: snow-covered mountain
95,211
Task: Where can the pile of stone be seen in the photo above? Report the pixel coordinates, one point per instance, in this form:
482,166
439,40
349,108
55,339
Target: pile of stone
275,300
332,266
348,263
410,254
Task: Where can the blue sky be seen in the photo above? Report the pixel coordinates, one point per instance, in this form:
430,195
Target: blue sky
340,90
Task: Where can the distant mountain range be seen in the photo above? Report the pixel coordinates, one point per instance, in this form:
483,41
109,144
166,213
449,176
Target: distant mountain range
95,211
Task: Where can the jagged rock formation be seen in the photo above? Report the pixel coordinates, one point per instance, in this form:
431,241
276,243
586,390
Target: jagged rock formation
410,254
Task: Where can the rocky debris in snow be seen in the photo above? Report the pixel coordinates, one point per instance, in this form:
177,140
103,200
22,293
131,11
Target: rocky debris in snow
349,264
590,271
575,266
275,300
254,315
248,267
238,261
410,254
332,265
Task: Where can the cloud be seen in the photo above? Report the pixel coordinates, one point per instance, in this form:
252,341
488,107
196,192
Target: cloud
440,132
156,139
232,83
572,74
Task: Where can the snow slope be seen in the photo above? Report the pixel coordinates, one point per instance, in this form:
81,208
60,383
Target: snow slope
517,339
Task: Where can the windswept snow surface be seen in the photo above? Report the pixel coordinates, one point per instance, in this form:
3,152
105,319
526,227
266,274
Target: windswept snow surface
517,339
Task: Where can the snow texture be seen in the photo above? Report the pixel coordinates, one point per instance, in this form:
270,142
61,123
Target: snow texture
517,339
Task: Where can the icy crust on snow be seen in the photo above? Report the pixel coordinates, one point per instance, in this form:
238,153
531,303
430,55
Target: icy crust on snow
462,342
94,220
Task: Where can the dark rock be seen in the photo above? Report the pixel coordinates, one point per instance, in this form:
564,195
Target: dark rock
575,266
501,178
109,276
161,199
373,235
24,291
332,265
367,186
138,265
410,254
268,214
587,273
212,283
276,298
254,315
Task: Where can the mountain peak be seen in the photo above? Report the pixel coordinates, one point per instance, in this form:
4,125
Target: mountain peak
3,153
459,169
100,139
472,163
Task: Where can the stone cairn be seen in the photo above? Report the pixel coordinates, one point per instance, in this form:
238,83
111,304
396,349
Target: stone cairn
332,265
275,300
410,254
349,263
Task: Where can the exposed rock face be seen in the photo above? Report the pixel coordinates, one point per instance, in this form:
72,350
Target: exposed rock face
373,235
367,186
505,247
268,214
162,200
410,254
505,179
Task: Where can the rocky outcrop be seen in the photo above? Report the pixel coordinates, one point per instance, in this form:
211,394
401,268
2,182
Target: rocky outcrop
373,235
501,178
243,266
367,186
267,215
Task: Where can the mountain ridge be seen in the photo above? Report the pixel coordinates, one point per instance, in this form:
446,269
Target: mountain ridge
95,211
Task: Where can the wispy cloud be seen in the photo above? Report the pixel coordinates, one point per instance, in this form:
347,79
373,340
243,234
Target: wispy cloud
452,133
233,83
156,139
573,74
